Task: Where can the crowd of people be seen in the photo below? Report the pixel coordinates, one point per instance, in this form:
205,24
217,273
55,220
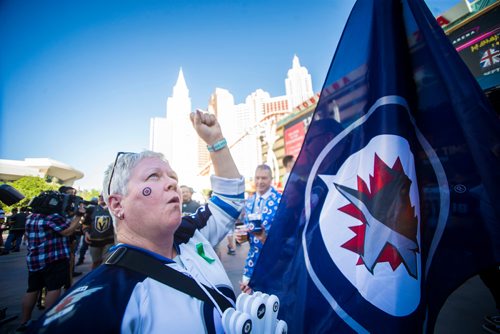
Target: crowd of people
144,213
156,262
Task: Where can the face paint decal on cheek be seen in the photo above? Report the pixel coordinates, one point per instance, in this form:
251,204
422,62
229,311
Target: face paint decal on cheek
146,191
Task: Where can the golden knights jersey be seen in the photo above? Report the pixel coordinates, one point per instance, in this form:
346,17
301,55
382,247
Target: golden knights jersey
101,227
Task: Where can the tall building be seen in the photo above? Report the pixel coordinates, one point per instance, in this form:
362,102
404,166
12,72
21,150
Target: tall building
240,125
247,148
298,84
276,108
221,104
158,138
255,102
256,107
235,121
276,104
248,126
174,135
203,155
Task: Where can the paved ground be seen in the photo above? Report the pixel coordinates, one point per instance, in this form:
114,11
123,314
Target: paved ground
462,314
14,280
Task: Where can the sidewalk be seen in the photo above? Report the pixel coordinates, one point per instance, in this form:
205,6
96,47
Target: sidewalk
462,313
14,280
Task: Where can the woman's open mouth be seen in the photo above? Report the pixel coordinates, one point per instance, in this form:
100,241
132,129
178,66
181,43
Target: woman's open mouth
174,200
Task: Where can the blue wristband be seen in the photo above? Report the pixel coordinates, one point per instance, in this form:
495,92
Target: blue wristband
219,145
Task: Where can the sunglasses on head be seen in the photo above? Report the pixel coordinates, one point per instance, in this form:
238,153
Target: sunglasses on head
113,169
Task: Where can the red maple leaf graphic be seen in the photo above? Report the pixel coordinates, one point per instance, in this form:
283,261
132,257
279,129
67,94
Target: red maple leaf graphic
389,202
63,303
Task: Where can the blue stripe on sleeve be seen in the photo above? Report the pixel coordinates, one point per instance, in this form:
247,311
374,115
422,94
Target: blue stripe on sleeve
237,196
225,207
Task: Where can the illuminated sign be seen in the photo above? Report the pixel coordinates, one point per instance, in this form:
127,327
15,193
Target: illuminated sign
478,44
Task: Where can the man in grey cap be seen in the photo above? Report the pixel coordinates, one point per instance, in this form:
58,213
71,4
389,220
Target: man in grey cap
189,205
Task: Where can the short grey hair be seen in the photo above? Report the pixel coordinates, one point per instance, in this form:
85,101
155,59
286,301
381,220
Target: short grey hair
264,167
121,174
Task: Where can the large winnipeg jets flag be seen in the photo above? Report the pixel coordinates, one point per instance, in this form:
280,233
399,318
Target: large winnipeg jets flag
394,199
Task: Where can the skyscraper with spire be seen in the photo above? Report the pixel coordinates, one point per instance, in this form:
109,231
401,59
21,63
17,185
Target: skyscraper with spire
174,135
247,126
298,84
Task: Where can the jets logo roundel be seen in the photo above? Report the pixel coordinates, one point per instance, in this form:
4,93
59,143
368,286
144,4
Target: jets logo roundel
361,238
370,223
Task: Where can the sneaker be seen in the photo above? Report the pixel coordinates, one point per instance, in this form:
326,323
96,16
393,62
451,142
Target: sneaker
77,273
80,262
230,251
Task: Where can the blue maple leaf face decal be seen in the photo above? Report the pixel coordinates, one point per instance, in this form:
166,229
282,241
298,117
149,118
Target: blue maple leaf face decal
389,229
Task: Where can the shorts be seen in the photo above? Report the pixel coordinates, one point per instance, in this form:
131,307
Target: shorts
97,253
54,276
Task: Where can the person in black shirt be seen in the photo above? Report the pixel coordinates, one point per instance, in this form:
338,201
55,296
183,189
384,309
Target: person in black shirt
98,231
17,224
188,204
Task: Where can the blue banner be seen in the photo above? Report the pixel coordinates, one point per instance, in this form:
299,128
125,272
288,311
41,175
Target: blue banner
394,200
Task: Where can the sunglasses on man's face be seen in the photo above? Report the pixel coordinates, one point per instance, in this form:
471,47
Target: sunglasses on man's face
113,169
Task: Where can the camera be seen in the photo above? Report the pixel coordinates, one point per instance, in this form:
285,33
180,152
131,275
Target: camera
51,202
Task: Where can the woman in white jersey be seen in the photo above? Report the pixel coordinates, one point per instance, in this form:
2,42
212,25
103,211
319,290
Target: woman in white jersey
143,196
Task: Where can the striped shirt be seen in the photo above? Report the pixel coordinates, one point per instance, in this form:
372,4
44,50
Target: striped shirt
45,243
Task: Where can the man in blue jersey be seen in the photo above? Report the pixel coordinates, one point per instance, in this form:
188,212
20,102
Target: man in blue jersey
144,199
260,209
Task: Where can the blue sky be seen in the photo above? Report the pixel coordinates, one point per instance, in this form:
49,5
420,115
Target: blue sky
80,80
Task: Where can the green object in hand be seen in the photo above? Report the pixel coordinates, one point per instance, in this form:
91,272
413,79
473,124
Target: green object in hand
201,252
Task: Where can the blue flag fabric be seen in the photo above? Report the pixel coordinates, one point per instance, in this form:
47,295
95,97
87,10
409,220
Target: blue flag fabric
394,198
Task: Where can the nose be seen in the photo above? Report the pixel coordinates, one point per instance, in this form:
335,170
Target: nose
171,184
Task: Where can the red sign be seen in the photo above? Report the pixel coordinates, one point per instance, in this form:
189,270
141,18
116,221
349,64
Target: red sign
442,21
294,136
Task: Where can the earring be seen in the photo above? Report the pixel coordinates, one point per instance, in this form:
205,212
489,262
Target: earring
120,216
